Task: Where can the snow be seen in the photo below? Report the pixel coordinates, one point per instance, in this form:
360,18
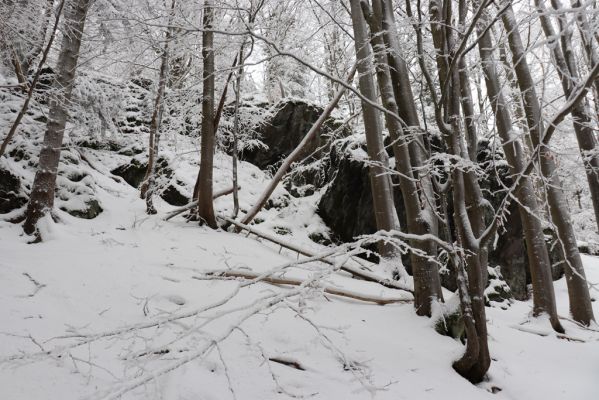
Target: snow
90,278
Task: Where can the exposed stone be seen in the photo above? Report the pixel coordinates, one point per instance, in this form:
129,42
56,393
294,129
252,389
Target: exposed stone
173,196
92,210
11,196
133,173
282,132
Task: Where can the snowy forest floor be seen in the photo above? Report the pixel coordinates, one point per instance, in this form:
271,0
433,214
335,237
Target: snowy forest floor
65,301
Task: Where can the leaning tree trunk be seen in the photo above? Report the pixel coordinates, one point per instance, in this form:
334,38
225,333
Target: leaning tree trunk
567,68
382,193
149,183
538,256
41,200
578,291
427,284
204,185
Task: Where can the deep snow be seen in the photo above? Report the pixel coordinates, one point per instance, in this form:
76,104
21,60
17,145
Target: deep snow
124,269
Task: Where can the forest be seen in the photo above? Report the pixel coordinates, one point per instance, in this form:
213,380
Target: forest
273,199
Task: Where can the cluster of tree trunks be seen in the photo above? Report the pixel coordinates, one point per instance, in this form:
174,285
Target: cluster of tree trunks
383,76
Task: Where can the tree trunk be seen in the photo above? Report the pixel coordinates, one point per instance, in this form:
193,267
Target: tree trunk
204,186
382,193
427,283
580,301
149,183
41,200
567,68
538,257
33,85
468,215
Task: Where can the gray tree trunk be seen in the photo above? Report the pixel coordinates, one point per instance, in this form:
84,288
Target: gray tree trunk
578,291
538,257
382,193
427,283
204,186
41,200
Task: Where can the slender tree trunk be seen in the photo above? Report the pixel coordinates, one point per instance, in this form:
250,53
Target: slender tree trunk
467,198
235,155
427,283
382,193
34,82
567,69
538,256
580,301
204,195
41,200
149,183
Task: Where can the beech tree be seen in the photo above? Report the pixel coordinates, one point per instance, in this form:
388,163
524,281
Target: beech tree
41,199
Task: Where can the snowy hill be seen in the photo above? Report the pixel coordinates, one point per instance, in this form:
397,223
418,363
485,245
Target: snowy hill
121,305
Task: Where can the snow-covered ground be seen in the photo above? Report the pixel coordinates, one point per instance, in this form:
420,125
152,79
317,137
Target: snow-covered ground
112,306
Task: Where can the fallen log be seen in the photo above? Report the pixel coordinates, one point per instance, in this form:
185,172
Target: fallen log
276,280
358,272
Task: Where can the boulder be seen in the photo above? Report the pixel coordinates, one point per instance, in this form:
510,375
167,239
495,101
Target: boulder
284,129
171,192
11,196
92,210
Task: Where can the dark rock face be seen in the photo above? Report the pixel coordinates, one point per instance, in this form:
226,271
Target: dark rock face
134,172
285,130
346,208
173,196
11,197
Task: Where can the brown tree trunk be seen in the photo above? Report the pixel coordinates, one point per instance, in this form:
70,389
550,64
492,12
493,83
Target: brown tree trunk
538,257
204,185
41,200
427,283
382,193
578,291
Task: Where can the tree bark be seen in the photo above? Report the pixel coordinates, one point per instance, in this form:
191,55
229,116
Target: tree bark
41,200
578,291
204,186
382,194
427,283
567,68
149,183
538,257
470,261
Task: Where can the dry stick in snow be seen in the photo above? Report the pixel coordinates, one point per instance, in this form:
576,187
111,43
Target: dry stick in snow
193,204
361,273
296,153
275,280
36,78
